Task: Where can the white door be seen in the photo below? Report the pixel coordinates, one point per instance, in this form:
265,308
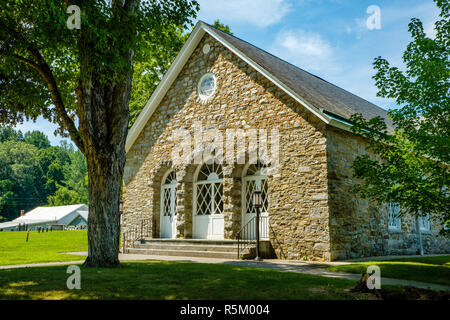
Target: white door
252,183
208,205
168,212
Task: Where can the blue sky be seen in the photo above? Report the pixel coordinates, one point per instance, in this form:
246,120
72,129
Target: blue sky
328,38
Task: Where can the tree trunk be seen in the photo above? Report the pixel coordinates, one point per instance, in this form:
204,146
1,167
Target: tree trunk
103,96
104,126
419,234
105,180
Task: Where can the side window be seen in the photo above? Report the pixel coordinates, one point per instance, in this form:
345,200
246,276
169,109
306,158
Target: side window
424,223
394,221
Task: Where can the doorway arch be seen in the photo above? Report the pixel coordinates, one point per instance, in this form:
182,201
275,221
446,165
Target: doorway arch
168,214
208,217
254,177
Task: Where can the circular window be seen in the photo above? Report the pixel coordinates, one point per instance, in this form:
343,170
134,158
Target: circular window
207,86
206,48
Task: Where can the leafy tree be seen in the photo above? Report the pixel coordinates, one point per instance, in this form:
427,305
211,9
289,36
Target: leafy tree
85,75
74,182
56,174
64,196
37,138
411,166
154,63
9,134
20,184
225,28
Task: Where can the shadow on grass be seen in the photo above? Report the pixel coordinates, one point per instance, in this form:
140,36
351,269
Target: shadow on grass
429,270
162,280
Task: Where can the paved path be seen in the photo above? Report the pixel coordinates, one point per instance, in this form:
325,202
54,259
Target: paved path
312,268
383,258
42,264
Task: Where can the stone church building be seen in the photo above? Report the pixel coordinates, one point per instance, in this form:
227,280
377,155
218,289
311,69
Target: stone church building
224,84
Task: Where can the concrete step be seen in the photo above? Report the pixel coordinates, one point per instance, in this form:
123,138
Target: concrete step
190,241
224,249
187,247
184,253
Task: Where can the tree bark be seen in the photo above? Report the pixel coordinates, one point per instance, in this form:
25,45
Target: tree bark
105,110
105,179
103,113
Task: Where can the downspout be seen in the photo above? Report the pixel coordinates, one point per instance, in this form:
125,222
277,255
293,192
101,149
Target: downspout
419,234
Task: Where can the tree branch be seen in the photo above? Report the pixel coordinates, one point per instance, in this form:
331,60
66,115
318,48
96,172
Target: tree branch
26,61
44,70
65,121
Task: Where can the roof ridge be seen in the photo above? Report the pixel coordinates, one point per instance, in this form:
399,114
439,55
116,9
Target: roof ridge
291,64
265,51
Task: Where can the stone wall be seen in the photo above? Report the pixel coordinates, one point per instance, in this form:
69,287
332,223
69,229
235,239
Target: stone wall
298,195
359,228
313,213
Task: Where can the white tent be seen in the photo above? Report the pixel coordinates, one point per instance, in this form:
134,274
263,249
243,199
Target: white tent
47,216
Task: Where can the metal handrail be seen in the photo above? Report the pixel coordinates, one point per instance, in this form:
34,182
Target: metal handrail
135,233
246,235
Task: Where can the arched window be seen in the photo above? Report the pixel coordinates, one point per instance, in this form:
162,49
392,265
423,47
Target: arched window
168,206
169,194
209,190
256,179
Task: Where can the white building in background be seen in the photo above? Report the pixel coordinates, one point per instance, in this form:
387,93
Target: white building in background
57,218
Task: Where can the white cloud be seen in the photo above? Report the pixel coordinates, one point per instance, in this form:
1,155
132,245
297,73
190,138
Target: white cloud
261,13
307,50
358,27
429,29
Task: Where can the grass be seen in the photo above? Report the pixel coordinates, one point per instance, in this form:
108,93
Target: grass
159,280
424,269
41,247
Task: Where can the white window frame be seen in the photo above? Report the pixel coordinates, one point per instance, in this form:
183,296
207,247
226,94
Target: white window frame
424,223
213,180
215,220
204,97
394,220
168,187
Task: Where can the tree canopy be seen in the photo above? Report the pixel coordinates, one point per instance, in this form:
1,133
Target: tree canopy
79,75
34,173
411,164
151,67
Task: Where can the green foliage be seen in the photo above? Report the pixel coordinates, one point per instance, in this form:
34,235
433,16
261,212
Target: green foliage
34,174
20,185
9,134
225,28
36,44
82,80
37,138
64,196
154,61
411,166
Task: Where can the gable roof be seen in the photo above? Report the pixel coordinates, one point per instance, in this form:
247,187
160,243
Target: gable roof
331,104
81,214
84,214
47,214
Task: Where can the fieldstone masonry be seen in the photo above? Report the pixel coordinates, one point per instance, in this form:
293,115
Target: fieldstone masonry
313,214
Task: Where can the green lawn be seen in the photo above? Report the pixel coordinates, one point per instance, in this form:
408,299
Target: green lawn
41,247
172,280
425,269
